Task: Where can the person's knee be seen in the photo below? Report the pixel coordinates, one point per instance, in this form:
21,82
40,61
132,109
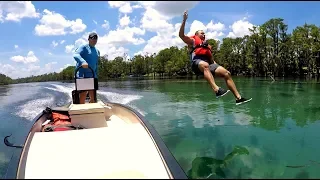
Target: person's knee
204,66
222,72
227,74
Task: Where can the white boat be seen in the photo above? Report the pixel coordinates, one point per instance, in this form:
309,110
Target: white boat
115,142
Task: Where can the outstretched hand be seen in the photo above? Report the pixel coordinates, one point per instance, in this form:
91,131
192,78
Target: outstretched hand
185,15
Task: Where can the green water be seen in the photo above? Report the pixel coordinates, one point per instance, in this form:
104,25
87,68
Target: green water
273,136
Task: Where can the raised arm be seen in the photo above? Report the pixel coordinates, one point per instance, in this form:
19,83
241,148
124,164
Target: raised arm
185,38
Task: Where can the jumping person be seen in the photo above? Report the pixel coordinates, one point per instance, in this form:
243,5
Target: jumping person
202,63
87,55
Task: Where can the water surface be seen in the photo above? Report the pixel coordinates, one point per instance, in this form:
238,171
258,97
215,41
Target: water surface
273,136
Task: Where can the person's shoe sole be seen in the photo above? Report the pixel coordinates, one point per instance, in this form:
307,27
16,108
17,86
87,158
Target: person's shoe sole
223,94
244,101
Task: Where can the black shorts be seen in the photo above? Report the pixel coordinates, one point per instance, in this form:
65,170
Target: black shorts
196,70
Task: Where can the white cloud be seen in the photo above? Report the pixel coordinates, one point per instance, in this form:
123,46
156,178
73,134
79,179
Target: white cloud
69,48
124,36
156,18
30,58
153,21
112,43
215,27
240,28
48,66
54,44
169,9
16,46
106,25
26,71
104,46
124,21
213,31
124,6
17,10
53,24
6,69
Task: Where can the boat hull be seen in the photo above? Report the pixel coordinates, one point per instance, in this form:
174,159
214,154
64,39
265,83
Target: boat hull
20,167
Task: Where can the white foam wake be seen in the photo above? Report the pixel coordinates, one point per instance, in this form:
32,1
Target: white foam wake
124,99
120,98
63,89
32,108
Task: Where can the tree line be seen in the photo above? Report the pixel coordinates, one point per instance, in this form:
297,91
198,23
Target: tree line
269,51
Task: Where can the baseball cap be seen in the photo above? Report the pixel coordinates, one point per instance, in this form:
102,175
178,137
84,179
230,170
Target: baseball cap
91,35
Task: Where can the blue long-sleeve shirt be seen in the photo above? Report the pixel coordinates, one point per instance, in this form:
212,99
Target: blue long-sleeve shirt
90,55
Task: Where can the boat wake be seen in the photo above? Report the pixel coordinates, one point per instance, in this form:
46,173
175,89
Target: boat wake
64,89
125,99
32,108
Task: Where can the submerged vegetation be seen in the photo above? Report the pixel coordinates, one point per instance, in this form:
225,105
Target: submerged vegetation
268,51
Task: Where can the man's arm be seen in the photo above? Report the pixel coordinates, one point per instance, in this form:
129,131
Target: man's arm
185,38
96,70
77,56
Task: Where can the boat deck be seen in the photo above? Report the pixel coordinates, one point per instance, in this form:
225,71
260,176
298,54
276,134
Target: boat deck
120,150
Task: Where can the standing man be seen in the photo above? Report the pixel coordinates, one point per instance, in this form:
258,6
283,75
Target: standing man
202,63
87,55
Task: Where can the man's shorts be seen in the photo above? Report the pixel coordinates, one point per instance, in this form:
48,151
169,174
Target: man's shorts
196,70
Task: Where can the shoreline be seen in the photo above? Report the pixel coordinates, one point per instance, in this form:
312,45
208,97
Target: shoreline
187,78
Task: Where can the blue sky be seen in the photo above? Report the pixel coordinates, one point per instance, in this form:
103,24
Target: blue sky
39,37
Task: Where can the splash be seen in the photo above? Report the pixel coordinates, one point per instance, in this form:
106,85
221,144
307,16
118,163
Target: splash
34,107
124,99
120,98
143,113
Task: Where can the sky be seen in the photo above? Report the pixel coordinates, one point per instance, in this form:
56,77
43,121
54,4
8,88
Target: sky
40,37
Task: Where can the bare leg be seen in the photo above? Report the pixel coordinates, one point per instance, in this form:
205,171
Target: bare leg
222,72
204,67
91,95
83,96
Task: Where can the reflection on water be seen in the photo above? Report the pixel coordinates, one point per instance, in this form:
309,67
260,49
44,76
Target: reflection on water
4,90
267,126
208,167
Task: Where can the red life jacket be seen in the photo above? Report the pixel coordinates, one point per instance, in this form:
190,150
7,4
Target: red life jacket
59,122
201,48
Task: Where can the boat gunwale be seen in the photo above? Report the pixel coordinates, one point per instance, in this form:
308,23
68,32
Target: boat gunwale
172,167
